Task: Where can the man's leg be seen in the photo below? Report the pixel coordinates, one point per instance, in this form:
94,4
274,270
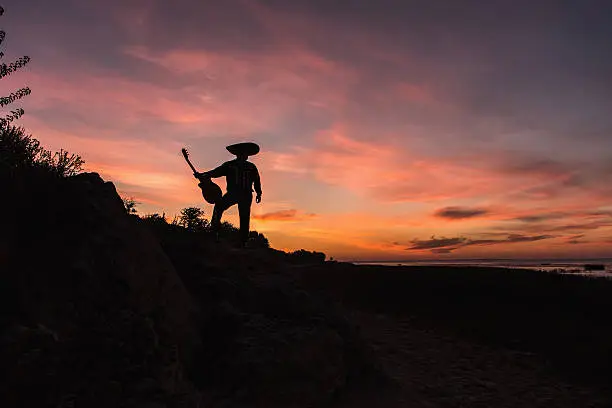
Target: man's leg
244,210
220,206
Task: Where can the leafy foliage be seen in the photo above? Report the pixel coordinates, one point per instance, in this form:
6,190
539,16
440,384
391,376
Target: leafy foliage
130,205
19,150
192,218
61,163
6,70
5,100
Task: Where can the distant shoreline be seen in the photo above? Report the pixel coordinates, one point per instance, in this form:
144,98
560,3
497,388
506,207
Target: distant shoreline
539,261
603,266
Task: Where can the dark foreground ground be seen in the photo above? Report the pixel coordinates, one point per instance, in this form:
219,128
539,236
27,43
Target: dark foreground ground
479,337
101,309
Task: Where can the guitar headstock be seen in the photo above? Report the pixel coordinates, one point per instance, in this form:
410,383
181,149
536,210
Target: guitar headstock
185,152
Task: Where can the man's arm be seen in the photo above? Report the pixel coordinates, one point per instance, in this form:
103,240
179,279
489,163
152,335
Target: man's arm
257,185
218,172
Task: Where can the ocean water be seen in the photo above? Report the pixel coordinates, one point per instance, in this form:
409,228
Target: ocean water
569,266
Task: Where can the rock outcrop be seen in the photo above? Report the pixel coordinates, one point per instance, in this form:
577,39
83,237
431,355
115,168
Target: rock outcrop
101,310
94,309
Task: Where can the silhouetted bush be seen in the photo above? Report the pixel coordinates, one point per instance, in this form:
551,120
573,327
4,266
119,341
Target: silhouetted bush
230,232
192,218
20,151
259,240
62,163
303,256
155,219
130,205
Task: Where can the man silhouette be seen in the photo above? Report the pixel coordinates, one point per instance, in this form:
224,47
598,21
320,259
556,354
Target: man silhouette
241,176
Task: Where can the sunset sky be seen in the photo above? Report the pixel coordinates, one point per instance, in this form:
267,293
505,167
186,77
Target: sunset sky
389,129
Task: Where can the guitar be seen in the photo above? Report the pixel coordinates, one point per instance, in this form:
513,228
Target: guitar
210,191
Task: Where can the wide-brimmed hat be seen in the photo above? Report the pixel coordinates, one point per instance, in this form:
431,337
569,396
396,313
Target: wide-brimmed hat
246,148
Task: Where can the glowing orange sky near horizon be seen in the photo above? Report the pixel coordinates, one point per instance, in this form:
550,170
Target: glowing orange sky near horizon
372,147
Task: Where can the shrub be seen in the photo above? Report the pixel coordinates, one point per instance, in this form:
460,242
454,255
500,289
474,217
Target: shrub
130,205
303,256
20,151
192,218
259,240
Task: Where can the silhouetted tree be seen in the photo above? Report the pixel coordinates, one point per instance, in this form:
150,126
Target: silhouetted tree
192,218
130,205
18,149
20,93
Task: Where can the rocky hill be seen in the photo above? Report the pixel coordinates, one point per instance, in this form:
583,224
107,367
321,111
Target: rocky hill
101,309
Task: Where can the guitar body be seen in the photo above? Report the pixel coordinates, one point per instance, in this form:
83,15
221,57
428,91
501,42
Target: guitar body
211,192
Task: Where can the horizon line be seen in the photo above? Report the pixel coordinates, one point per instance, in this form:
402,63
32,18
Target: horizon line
479,259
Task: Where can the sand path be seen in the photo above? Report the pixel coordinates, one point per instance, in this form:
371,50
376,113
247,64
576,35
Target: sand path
434,370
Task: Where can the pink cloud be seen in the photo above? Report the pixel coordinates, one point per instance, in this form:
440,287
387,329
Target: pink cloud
416,93
384,171
282,78
127,102
389,172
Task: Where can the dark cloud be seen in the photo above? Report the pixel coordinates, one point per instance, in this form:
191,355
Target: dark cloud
541,217
434,243
484,242
579,227
458,213
446,245
523,238
600,214
443,250
576,239
510,239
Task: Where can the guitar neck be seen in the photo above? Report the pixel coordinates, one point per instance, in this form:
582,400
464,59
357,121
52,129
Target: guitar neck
192,168
191,165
